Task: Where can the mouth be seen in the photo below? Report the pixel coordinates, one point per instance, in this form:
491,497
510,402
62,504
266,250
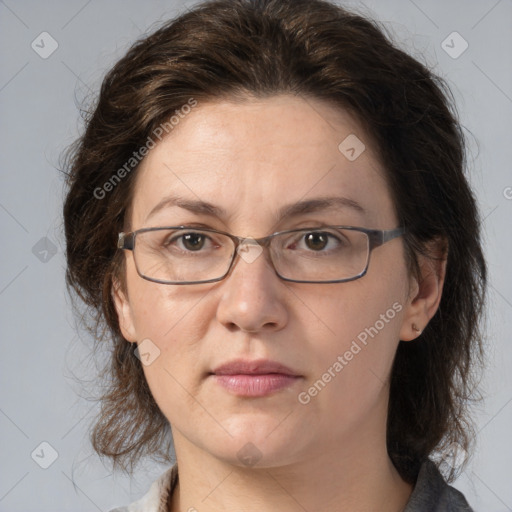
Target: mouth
254,378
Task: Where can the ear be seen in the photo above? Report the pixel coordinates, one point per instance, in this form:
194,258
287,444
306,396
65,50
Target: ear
124,312
425,290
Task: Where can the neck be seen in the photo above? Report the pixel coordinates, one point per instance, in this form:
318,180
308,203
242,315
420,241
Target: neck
358,478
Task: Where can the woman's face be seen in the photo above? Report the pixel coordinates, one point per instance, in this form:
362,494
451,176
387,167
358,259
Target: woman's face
252,160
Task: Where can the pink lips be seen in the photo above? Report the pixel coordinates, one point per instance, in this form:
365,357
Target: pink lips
254,378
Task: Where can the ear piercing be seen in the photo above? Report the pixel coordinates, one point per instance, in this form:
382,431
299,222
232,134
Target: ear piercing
415,328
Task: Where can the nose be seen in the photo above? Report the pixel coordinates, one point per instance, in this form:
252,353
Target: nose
252,295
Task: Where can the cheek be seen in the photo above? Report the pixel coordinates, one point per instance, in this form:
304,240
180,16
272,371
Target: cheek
169,322
160,311
347,310
353,358
175,328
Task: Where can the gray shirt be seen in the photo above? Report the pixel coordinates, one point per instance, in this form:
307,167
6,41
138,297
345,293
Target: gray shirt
431,494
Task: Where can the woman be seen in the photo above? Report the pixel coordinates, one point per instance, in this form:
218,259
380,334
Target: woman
240,168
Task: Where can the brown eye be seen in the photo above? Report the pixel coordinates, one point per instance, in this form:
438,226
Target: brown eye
193,241
316,241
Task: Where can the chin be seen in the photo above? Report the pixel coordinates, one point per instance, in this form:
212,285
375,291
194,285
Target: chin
256,442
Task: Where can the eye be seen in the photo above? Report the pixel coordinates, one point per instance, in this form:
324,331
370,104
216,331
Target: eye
318,241
191,242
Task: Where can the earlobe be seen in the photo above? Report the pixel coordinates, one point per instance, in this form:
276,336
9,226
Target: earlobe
426,292
124,312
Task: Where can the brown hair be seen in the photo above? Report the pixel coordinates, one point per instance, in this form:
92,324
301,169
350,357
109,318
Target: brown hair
235,48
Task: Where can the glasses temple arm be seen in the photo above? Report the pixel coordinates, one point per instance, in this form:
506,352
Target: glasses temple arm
125,241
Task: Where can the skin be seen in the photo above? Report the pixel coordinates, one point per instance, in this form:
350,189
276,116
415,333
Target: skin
251,158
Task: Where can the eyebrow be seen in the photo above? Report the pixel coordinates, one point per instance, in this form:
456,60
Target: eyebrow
292,210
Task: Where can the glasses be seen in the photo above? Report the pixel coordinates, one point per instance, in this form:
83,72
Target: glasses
188,255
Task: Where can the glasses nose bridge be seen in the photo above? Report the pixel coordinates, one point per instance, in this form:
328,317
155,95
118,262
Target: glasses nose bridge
263,241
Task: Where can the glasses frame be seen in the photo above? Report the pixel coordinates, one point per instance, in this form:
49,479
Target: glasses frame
376,238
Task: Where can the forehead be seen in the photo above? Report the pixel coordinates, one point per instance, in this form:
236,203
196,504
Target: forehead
252,157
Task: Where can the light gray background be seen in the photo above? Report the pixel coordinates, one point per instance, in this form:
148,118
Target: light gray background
42,353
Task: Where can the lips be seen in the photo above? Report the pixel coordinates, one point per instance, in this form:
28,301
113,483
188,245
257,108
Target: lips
258,367
254,378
